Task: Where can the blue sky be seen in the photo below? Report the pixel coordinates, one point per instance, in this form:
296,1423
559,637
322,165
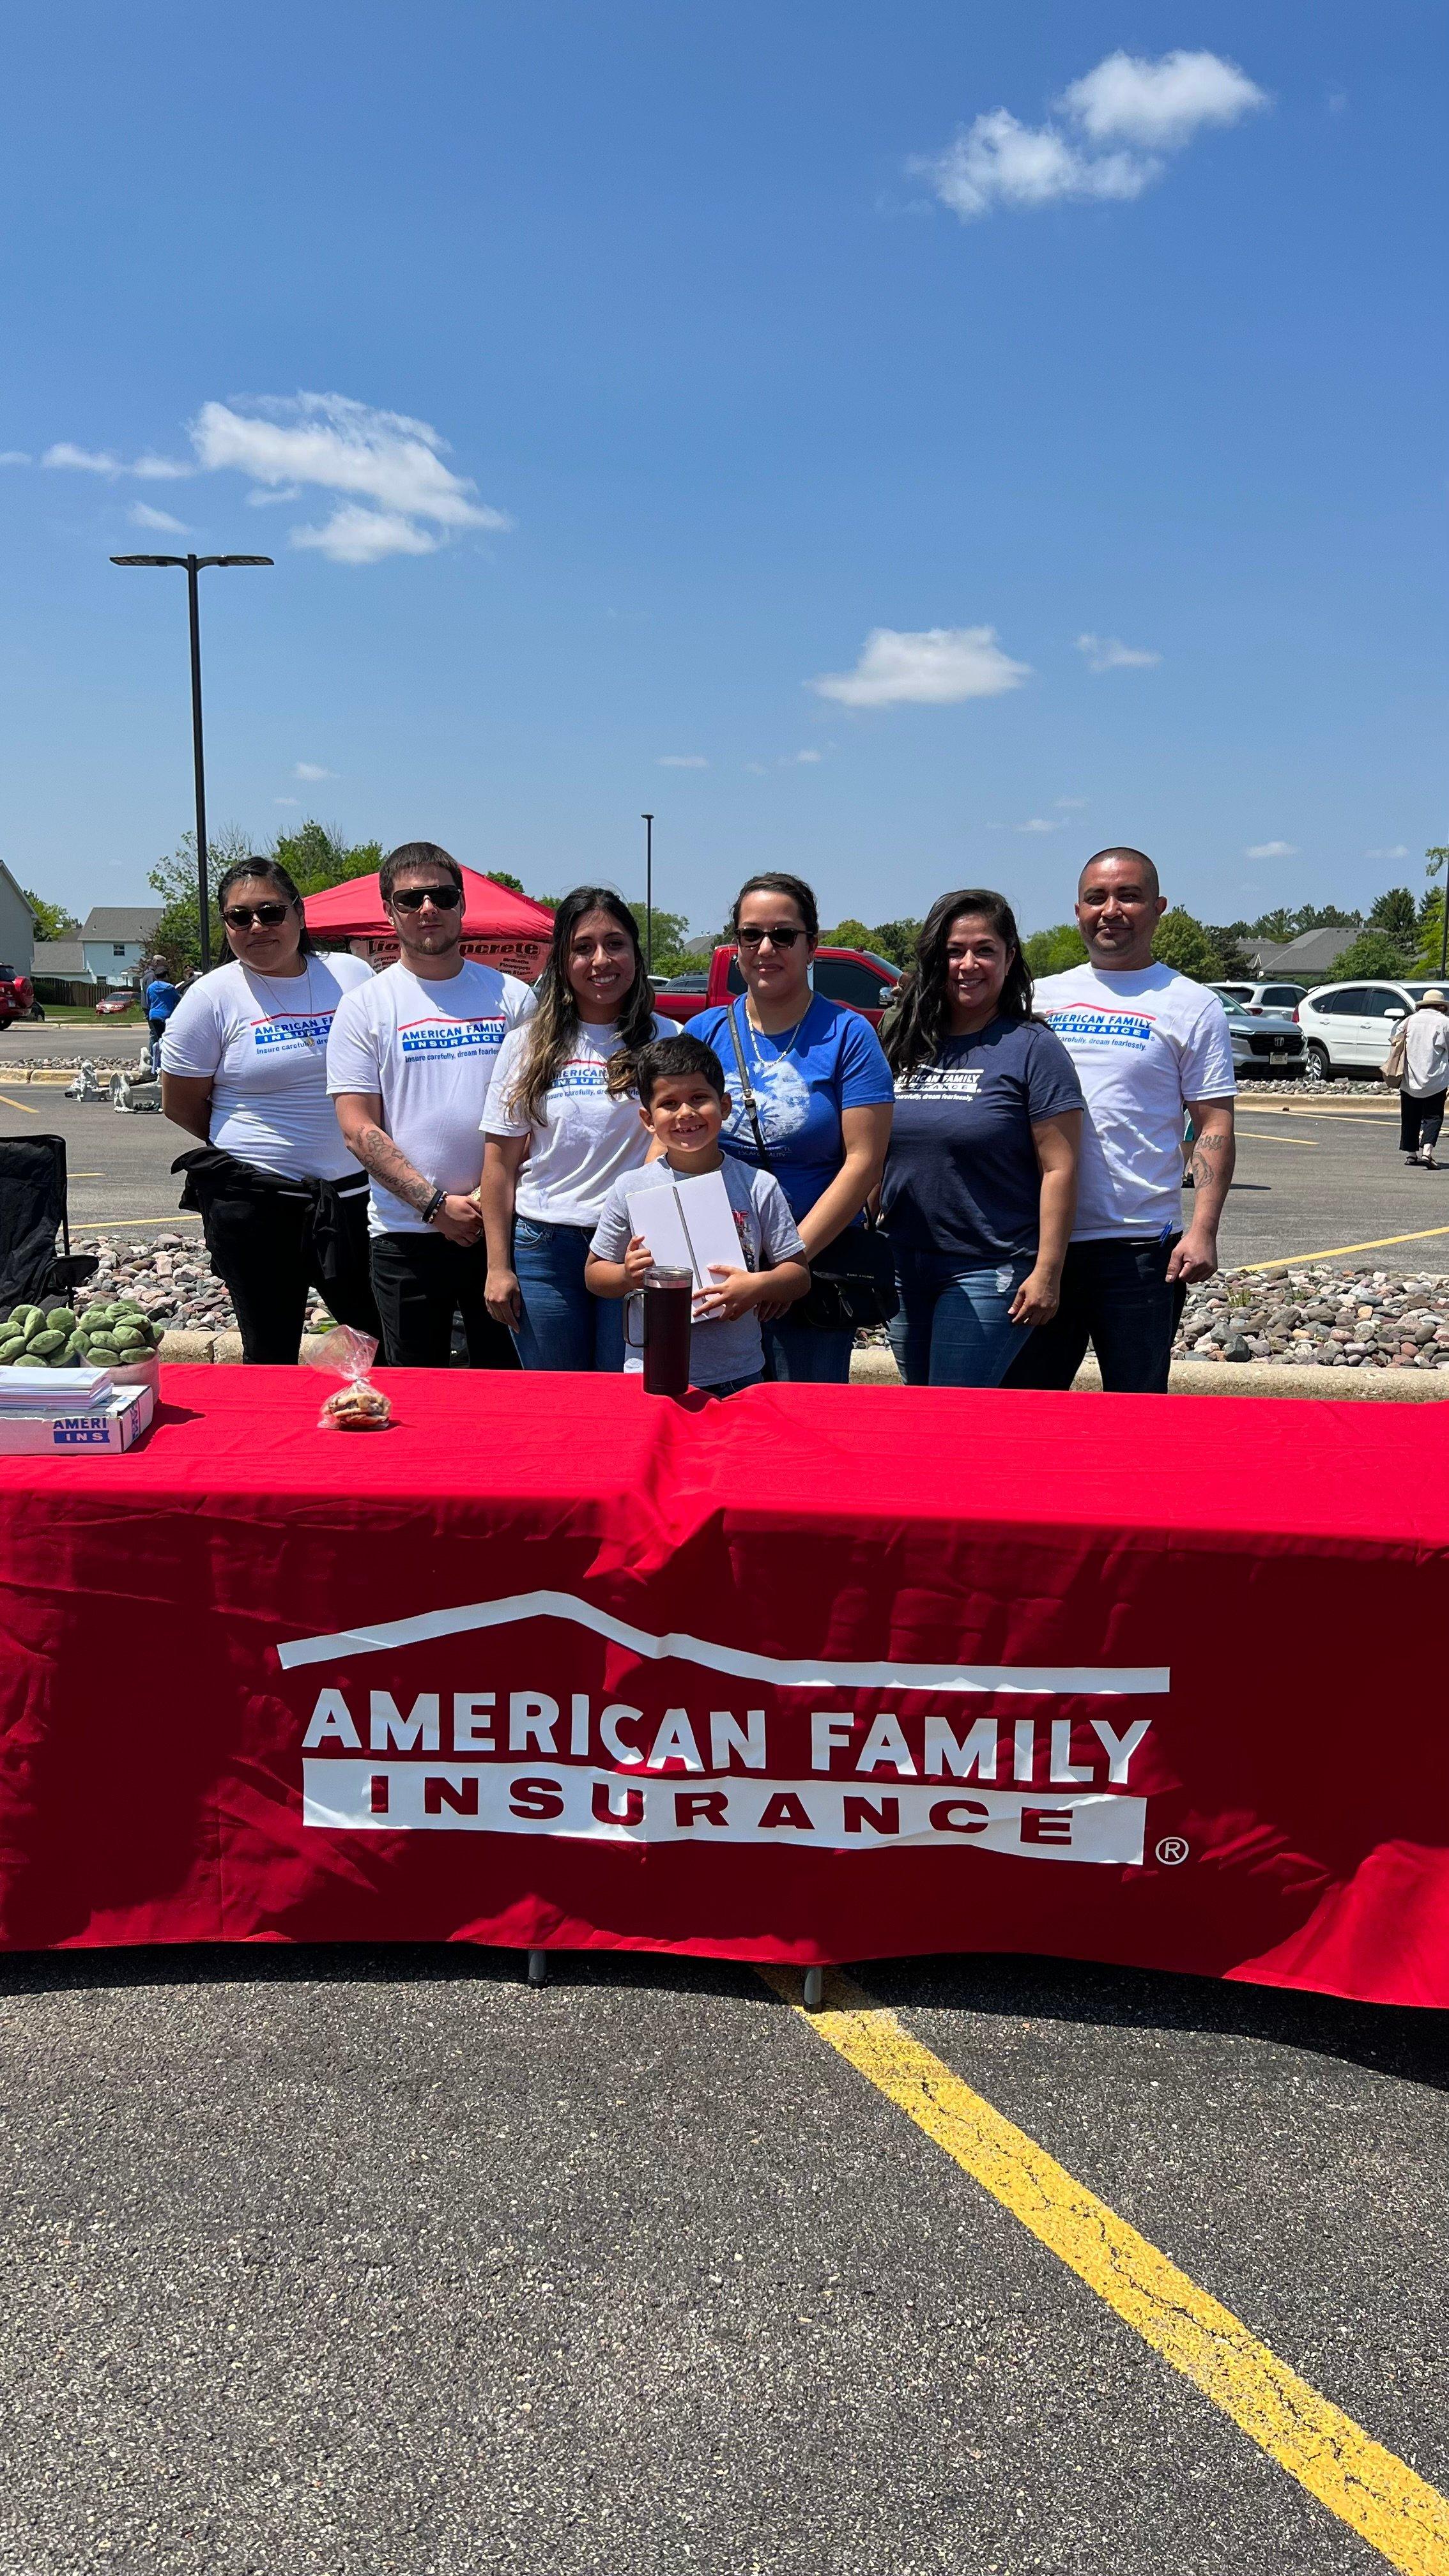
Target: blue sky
739,336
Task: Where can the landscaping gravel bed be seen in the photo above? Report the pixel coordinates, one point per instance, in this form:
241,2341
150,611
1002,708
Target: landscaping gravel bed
1321,1316
170,1280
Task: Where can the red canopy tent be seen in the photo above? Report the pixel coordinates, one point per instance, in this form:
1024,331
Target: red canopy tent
502,927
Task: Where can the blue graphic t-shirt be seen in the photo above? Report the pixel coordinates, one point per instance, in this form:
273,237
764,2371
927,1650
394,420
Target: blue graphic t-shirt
426,1046
262,1042
962,1176
802,1080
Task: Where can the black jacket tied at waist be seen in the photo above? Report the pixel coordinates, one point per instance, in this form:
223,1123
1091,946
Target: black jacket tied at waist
213,1174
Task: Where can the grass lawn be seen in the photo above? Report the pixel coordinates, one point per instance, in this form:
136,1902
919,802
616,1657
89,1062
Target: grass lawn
76,1014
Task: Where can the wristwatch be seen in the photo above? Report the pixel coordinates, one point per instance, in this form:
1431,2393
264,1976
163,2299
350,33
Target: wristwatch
434,1203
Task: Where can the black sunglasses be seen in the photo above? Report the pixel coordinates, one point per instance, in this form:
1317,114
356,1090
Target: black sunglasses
240,916
783,935
412,898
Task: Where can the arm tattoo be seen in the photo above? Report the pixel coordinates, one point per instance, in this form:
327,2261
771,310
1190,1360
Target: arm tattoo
374,1147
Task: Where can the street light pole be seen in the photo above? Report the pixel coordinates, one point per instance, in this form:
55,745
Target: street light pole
648,822
191,565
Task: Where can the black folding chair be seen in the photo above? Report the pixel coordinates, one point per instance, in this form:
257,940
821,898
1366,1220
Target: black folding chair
33,1211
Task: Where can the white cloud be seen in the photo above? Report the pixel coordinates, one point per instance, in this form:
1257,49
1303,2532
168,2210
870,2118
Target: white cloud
260,500
141,515
99,460
1151,107
937,668
1071,804
681,760
800,759
356,536
1160,105
309,769
160,469
1041,823
13,456
1105,653
1399,851
1272,850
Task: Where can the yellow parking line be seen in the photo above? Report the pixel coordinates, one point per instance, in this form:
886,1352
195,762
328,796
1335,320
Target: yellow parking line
1377,2495
88,1224
1259,1136
1380,1243
19,1104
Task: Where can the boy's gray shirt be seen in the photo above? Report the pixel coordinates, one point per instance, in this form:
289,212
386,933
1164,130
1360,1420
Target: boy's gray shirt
718,1351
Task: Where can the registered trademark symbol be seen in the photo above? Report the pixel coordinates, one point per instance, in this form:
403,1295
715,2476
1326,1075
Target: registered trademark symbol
1172,1850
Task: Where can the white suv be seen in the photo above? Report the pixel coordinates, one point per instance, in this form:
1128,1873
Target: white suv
1347,1027
1261,997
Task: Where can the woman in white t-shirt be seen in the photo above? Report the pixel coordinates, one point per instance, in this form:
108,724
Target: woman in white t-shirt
244,1067
562,1125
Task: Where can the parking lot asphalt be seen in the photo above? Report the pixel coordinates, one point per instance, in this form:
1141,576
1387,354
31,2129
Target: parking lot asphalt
339,2264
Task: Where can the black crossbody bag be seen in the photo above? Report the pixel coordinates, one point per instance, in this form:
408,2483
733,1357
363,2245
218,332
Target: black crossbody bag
853,1280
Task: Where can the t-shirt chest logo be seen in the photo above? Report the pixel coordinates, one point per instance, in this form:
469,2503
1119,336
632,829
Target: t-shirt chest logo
782,1101
439,1037
1080,1026
941,1082
297,1029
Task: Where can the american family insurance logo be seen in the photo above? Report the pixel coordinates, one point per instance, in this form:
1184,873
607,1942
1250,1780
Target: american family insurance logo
435,1037
835,1756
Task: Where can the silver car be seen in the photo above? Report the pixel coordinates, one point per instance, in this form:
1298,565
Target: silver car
1266,1043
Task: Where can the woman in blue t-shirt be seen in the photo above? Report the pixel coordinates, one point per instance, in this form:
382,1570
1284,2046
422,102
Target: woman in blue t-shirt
822,1095
980,1183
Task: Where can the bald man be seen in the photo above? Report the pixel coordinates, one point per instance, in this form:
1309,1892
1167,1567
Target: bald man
1151,1048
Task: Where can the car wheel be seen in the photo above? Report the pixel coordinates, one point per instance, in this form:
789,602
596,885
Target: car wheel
1319,1069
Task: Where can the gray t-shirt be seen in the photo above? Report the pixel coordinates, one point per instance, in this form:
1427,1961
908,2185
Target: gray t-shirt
718,1351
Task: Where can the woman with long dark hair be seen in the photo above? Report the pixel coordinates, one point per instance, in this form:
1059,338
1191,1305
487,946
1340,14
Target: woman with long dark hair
810,1093
244,1067
562,1125
980,1182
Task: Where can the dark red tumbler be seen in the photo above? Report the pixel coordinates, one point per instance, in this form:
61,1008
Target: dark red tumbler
664,1306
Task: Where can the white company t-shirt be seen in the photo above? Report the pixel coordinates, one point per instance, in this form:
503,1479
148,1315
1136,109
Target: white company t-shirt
263,1041
1144,1045
582,1141
428,1049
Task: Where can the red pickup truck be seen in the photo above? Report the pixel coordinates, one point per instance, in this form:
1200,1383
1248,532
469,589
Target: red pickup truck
17,998
850,975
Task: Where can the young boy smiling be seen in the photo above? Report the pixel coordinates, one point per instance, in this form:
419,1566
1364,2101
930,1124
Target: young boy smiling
684,1104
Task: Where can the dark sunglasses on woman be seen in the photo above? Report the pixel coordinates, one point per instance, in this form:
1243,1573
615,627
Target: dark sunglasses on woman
783,936
412,898
240,916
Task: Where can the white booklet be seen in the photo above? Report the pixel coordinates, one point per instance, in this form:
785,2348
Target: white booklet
688,1224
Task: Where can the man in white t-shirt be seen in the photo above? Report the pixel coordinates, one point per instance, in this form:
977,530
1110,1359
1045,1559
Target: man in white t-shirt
409,1062
1151,1049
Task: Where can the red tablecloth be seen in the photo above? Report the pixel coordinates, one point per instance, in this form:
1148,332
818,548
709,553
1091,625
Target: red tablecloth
818,1674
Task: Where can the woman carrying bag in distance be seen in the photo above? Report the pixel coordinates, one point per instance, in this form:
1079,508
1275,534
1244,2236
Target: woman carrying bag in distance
980,1185
562,1126
811,1096
244,1067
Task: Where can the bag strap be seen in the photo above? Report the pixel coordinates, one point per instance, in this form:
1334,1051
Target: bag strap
747,1087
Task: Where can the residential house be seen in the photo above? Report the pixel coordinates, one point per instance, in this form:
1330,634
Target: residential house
116,941
1308,959
60,972
17,925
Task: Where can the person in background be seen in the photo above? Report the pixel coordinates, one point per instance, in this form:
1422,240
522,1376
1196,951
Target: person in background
823,1093
683,1104
1424,1081
160,998
562,1124
981,1176
1149,1046
409,1062
244,1066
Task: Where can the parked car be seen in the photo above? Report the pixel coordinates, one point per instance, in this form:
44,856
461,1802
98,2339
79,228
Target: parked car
1347,1027
17,998
855,976
114,1002
1262,997
1268,1044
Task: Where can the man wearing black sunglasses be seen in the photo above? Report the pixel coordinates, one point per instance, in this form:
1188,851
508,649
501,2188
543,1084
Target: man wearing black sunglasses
408,1064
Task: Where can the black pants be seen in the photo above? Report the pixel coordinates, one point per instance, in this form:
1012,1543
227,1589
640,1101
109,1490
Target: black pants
421,1281
259,1244
1420,1120
1116,1296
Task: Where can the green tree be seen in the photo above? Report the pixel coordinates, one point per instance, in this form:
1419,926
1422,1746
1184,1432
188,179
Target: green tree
896,940
316,857
1396,914
1430,927
1228,948
1051,952
176,940
1374,952
52,920
1182,942
1283,924
846,934
671,929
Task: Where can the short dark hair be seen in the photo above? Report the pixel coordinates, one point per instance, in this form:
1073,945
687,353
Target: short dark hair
1137,858
415,854
665,1056
272,873
776,881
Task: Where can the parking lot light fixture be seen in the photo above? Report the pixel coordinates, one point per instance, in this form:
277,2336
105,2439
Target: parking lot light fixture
191,565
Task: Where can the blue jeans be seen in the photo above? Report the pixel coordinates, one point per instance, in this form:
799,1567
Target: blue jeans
562,1326
798,1354
953,1327
732,1385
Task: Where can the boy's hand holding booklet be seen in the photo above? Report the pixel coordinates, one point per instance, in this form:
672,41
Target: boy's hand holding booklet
689,1224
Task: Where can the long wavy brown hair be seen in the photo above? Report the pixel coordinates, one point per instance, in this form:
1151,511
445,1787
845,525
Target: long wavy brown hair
921,1018
555,1024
